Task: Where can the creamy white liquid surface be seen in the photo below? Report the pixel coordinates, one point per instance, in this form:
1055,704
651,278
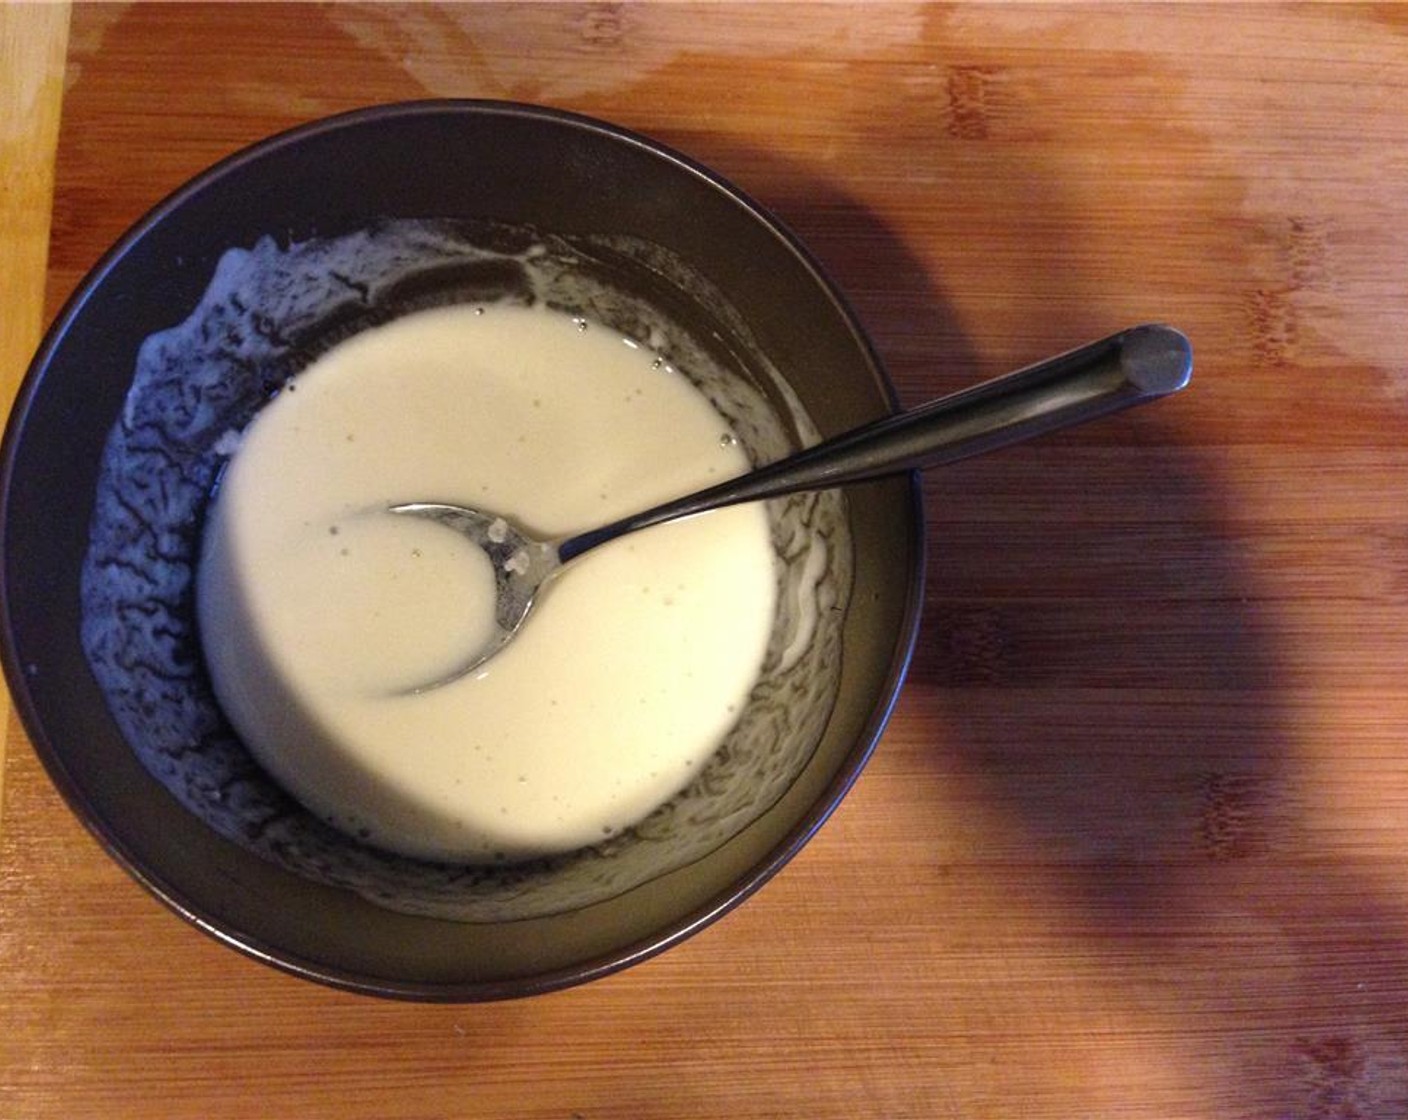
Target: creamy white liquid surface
317,611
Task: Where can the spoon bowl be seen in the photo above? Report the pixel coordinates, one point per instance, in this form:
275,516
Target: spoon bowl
1132,367
521,565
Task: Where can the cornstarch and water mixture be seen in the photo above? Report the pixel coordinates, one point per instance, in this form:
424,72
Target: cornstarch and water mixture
319,611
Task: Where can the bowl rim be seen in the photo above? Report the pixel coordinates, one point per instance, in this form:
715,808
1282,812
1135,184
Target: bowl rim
606,963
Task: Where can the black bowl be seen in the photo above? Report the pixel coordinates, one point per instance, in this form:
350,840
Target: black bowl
474,161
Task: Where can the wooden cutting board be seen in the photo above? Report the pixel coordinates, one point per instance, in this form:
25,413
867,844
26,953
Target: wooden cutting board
1135,843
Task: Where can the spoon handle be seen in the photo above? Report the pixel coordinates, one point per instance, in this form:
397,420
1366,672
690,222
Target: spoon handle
1136,365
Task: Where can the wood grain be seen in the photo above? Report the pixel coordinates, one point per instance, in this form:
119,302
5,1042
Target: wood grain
1135,842
32,47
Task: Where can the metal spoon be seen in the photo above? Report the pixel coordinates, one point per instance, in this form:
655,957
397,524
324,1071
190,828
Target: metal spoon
1137,365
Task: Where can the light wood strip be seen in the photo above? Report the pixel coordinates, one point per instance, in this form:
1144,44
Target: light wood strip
33,40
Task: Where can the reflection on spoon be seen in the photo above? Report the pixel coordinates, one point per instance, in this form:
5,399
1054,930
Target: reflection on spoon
1134,366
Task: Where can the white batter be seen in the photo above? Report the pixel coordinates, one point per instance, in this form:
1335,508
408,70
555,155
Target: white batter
316,614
